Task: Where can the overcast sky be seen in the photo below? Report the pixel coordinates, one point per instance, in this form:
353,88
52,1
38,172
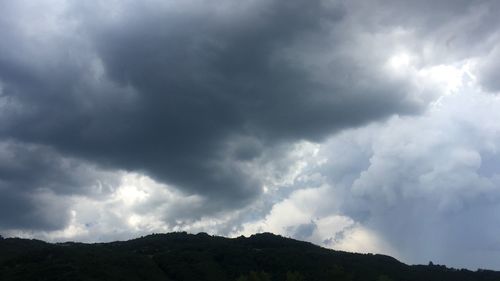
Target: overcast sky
367,126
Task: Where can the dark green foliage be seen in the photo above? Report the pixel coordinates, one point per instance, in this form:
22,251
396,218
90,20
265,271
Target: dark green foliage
294,276
255,276
182,256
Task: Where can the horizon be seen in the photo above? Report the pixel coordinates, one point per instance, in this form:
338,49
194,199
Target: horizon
362,126
236,237
239,237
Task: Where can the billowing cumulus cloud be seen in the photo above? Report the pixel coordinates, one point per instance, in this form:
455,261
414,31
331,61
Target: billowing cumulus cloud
359,125
429,185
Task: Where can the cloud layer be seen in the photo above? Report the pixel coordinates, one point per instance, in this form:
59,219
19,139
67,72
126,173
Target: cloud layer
164,88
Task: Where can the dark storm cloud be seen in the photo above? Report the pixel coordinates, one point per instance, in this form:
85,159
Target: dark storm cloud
164,88
30,167
19,210
34,181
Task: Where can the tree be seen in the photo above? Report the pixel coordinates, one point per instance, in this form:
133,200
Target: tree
337,272
255,276
294,276
384,278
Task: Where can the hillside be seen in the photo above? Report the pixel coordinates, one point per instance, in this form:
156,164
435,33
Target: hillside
182,256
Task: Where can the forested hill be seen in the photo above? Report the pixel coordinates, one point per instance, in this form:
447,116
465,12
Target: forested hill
182,256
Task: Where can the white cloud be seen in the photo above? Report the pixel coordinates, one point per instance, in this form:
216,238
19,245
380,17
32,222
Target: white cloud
413,177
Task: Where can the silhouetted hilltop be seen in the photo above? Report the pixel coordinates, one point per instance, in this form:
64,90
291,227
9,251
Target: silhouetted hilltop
181,256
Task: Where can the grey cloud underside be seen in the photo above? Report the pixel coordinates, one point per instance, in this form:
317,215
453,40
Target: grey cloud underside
30,178
28,211
164,91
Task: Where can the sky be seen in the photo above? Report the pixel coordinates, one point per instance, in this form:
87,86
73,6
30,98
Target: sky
365,126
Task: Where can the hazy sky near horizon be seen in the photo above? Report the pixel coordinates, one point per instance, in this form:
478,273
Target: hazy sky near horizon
367,126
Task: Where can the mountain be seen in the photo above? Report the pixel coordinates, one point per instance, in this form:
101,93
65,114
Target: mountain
180,256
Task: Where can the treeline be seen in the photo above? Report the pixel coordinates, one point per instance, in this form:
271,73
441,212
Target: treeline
186,257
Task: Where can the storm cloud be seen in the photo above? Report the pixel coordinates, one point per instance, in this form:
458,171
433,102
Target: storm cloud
163,88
